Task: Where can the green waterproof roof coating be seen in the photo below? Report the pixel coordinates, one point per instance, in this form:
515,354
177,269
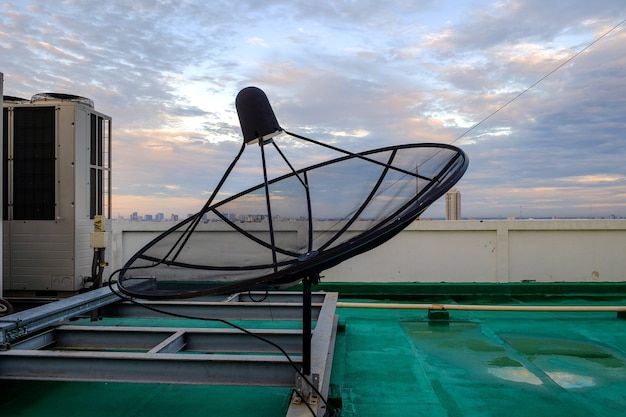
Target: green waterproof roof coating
399,363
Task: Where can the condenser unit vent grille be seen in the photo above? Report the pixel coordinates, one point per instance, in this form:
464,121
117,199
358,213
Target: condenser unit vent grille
34,163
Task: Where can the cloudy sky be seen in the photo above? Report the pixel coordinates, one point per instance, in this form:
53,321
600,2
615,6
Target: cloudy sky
362,74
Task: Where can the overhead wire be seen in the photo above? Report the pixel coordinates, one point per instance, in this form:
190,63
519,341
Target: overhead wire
558,67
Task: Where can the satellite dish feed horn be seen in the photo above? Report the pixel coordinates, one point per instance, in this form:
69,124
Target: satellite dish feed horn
256,117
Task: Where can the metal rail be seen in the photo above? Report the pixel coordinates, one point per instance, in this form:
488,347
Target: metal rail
481,307
24,323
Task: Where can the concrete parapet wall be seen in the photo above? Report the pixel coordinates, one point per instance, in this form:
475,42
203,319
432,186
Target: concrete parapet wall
490,251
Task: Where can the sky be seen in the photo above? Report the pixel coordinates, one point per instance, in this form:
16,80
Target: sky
358,74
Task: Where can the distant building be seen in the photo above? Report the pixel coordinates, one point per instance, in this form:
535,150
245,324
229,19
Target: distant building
453,205
174,217
417,184
159,217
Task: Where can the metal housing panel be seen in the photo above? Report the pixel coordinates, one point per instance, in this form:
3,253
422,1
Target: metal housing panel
41,254
54,255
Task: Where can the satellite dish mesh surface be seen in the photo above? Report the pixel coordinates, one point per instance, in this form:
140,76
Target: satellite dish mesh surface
293,222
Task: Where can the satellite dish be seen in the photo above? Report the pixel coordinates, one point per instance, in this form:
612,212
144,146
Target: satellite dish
342,206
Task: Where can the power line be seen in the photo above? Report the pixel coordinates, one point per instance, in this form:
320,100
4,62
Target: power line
540,80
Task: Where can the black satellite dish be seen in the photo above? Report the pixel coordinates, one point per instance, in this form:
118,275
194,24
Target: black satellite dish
381,191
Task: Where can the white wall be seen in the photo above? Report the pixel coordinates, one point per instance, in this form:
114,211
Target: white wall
497,251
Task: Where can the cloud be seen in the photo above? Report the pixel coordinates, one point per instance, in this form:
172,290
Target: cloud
597,178
168,73
257,42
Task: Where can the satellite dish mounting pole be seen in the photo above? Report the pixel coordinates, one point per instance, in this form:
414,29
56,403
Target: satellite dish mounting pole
306,322
306,326
307,384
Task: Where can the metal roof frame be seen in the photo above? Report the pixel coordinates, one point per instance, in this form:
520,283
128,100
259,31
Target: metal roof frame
39,344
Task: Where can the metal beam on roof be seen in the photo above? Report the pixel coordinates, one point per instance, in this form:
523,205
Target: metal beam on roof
24,323
145,367
245,310
146,339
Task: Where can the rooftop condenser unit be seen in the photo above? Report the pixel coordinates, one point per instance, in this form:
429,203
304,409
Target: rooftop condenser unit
56,180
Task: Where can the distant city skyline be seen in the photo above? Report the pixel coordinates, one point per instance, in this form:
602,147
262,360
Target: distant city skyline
160,216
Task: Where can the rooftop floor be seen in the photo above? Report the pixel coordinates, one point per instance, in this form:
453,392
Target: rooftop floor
397,362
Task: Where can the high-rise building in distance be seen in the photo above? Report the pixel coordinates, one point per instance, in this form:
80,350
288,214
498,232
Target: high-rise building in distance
453,205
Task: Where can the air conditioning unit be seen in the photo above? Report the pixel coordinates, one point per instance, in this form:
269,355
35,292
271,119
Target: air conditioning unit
56,179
